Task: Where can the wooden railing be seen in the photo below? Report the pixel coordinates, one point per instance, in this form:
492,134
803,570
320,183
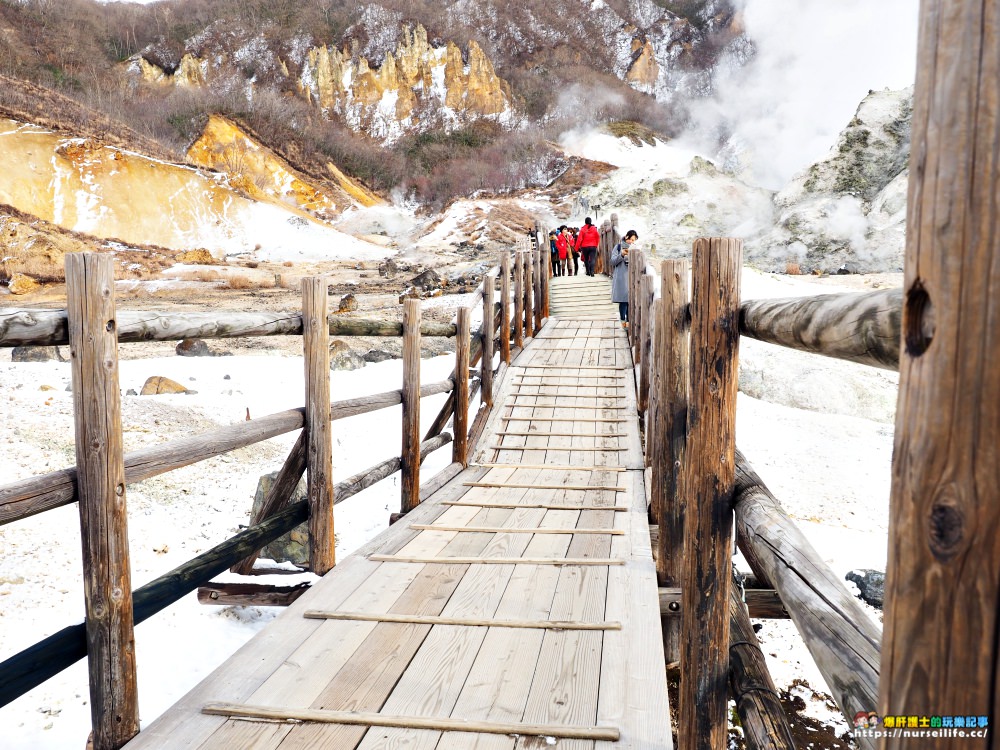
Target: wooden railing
702,488
93,328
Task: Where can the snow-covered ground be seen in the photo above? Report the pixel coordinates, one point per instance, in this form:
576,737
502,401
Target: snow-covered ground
823,450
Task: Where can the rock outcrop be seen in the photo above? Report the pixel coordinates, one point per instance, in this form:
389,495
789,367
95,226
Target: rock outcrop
414,83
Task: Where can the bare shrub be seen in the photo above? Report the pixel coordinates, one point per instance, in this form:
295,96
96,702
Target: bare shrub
238,281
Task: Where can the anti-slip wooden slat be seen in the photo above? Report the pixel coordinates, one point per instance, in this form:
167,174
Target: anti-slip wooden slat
278,713
586,448
564,419
550,467
547,506
496,560
524,486
463,622
512,530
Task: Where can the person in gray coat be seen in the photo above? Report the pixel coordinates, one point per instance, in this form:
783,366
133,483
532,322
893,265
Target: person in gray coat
619,277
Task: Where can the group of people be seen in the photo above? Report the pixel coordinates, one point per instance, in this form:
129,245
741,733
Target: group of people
567,244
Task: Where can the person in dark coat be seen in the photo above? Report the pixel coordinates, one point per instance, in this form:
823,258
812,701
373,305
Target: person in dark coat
554,253
619,277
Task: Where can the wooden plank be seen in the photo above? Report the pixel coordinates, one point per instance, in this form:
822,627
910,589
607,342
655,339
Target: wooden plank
539,433
464,621
509,530
529,294
107,580
319,438
646,345
586,420
409,722
460,448
633,689
763,604
250,594
548,506
497,560
571,367
589,449
519,292
574,407
409,481
709,474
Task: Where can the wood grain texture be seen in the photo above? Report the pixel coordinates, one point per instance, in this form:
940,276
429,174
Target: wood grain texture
673,363
409,482
941,646
764,722
48,327
519,294
250,594
529,294
505,322
107,580
486,362
859,326
708,476
319,435
841,638
460,447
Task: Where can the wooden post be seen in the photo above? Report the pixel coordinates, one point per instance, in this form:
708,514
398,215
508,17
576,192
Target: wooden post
529,301
100,481
940,652
319,446
486,363
539,302
519,299
646,343
459,452
667,501
409,486
652,411
505,307
546,275
709,475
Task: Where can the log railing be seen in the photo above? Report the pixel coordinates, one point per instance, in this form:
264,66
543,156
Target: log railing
93,328
703,491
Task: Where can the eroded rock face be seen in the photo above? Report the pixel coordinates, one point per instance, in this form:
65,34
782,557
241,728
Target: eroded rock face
645,70
411,85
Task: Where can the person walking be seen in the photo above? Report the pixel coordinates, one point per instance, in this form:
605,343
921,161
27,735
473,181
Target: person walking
562,248
587,242
553,253
619,278
574,261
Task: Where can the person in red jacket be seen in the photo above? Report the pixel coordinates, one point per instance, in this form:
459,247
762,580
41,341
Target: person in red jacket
586,242
562,248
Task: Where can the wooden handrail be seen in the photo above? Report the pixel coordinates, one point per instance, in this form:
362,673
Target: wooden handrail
48,327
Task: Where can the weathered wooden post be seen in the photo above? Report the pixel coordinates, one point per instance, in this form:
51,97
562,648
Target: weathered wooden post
539,301
709,475
319,446
486,363
940,652
100,488
519,299
674,367
461,444
505,307
409,485
653,395
646,344
529,294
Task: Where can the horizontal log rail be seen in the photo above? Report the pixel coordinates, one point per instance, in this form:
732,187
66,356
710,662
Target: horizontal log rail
48,327
843,641
35,495
859,327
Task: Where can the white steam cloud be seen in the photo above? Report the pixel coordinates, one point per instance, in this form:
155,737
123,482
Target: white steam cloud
815,62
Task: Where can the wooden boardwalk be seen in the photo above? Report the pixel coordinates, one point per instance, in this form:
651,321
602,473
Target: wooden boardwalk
515,605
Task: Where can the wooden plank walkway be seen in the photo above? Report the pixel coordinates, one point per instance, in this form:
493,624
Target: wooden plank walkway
414,641
581,297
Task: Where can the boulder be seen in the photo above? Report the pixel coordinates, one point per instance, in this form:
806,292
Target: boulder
348,303
427,280
192,348
388,270
22,284
871,584
293,547
411,292
35,354
157,385
379,355
346,360
200,257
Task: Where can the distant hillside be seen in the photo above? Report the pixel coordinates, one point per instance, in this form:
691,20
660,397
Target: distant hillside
434,99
